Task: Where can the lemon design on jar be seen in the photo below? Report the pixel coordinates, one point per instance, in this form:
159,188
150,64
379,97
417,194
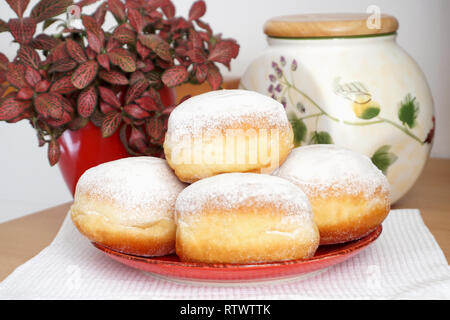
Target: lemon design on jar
364,107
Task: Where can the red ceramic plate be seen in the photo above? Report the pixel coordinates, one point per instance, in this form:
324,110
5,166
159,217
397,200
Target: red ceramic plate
171,267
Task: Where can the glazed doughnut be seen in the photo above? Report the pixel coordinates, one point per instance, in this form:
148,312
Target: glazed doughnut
244,218
349,195
128,205
227,131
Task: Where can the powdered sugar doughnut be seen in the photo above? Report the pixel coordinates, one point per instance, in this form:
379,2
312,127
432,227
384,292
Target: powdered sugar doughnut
244,218
349,195
128,205
227,131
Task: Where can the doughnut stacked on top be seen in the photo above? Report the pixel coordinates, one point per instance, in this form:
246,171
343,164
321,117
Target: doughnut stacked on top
228,144
227,131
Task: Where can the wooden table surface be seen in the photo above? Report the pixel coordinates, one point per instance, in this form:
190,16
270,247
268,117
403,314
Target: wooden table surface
23,238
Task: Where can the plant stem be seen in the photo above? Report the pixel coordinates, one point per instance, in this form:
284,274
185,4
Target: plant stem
405,130
313,115
365,123
359,123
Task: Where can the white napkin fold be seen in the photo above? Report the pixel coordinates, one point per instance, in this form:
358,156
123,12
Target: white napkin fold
405,262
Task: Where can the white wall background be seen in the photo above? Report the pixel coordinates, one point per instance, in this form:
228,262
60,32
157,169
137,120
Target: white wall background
29,184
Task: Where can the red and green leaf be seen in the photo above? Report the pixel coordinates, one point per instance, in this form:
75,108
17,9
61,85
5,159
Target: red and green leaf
135,111
63,85
204,26
136,90
16,75
29,56
142,50
91,54
197,10
49,105
4,62
25,93
27,114
154,127
95,42
110,123
109,97
195,39
224,51
77,123
75,51
113,77
32,76
147,103
214,77
146,65
92,26
84,74
100,13
12,108
174,76
136,76
62,65
42,86
157,44
169,9
136,20
124,34
117,8
137,140
196,55
103,60
122,58
19,6
59,52
85,3
112,44
22,29
44,42
3,26
54,152
66,118
46,9
87,101
106,108
201,72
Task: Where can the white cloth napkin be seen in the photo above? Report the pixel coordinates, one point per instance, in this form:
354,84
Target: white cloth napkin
405,262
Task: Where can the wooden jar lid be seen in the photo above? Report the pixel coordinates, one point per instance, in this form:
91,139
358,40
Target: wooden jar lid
329,25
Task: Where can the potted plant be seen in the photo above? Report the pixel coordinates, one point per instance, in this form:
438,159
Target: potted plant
95,95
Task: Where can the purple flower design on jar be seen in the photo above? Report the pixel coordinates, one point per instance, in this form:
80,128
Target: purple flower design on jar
294,65
283,102
279,72
278,88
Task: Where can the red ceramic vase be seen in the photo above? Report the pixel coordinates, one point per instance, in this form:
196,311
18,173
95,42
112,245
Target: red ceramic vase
86,148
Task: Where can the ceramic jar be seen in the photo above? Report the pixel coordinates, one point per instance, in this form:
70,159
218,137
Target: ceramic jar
345,83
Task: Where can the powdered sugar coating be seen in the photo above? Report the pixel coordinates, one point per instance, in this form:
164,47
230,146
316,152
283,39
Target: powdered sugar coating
144,187
224,109
232,190
323,169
